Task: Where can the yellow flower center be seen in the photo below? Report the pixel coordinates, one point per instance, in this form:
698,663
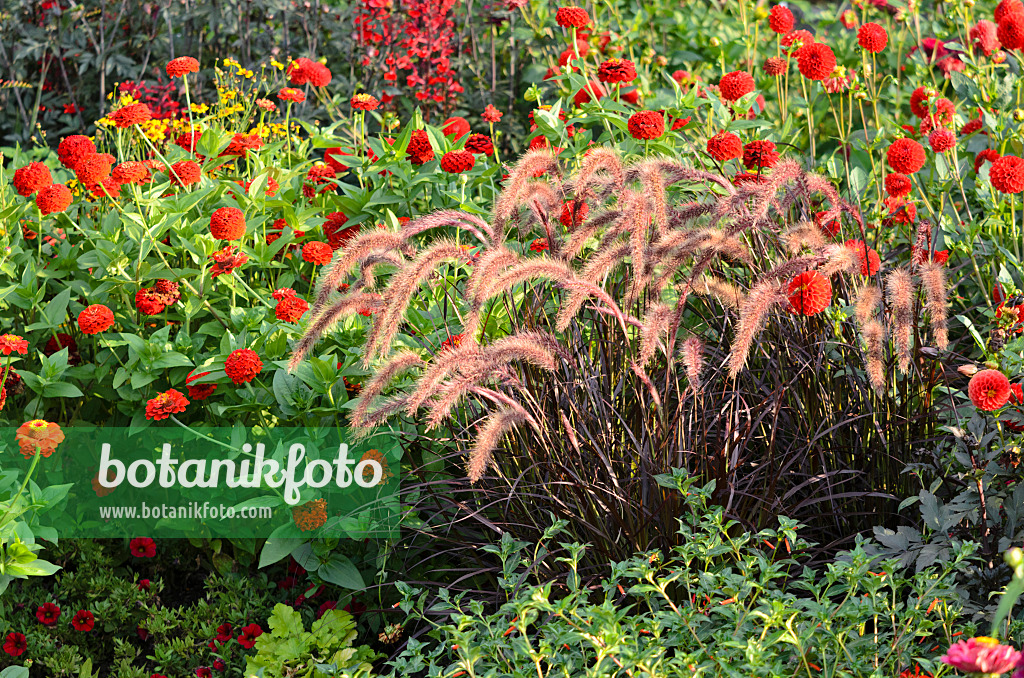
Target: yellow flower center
38,423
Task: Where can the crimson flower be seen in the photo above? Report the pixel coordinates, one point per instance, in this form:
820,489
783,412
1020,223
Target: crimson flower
83,620
142,547
15,644
249,635
48,614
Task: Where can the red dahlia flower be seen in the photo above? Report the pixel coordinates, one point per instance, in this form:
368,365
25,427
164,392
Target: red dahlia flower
142,547
780,20
815,61
810,293
984,36
919,101
905,156
227,223
456,162
724,146
573,214
83,620
419,149
646,125
47,614
774,66
31,178
455,127
164,405
1007,174
897,185
1011,31
872,37
868,257
989,154
74,149
989,390
53,198
572,17
182,66
798,37
760,155
734,85
95,319
1006,7
942,140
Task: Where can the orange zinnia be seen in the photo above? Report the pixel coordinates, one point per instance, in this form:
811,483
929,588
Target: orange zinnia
38,435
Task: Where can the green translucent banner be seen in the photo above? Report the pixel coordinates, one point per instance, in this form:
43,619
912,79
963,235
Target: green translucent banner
221,482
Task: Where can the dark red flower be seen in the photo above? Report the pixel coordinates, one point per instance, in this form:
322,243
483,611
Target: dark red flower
142,547
243,365
725,146
48,614
905,156
456,162
774,66
479,144
199,391
143,585
734,85
760,154
249,635
616,70
83,620
15,644
419,149
645,125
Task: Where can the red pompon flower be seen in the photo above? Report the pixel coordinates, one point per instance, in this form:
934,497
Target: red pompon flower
185,173
83,620
798,37
164,405
199,391
242,144
616,70
249,635
1011,31
419,149
243,365
971,126
107,188
182,66
906,156
780,20
583,96
989,154
335,231
316,252
148,302
319,174
47,614
919,99
12,343
142,547
645,125
130,172
898,185
92,170
456,162
867,256
227,223
226,260
31,178
95,319
1006,7
760,155
989,390
725,146
872,37
572,17
1007,174
810,293
942,140
734,85
491,114
774,66
53,198
455,127
74,149
290,309
573,214
132,114
479,144
364,102
291,94
984,36
303,71
15,644
816,61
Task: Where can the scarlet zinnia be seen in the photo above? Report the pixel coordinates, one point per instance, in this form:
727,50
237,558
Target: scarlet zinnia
132,114
645,125
39,436
572,17
810,293
164,405
226,260
130,172
872,37
760,155
243,365
290,309
95,319
455,127
725,146
148,303
816,61
308,517
316,252
182,66
491,114
1007,174
12,343
92,170
456,162
479,144
905,156
897,185
185,173
989,390
199,391
734,85
291,94
47,614
53,198
227,223
364,102
780,20
868,257
74,149
419,149
303,70
584,95
573,214
31,178
616,70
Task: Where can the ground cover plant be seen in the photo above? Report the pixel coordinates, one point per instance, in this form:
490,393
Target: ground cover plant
648,293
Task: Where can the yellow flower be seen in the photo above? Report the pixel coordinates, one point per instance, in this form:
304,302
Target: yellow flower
200,108
277,64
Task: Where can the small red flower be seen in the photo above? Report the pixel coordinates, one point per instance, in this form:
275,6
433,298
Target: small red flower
644,125
31,178
227,223
419,149
185,173
898,185
989,154
143,585
816,61
725,146
74,149
130,172
539,245
95,319
164,405
872,37
616,70
199,391
291,94
364,102
905,156
15,644
572,17
774,66
1007,174
867,256
760,155
290,309
479,144
734,85
249,635
316,252
780,20
491,114
48,614
182,66
52,199
810,293
12,343
132,114
303,71
942,140
83,620
227,260
989,390
456,162
142,547
573,214
243,365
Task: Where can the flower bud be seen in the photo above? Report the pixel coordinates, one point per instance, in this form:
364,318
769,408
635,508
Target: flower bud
992,364
715,42
967,370
1018,114
1014,557
760,13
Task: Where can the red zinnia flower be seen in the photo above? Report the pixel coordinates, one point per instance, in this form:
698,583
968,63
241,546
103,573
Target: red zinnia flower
364,102
53,198
12,343
868,264
185,173
989,154
539,245
182,66
291,94
48,614
226,260
725,146
130,172
780,20
479,144
616,70
15,644
199,391
774,66
249,635
810,293
455,127
760,155
456,162
142,547
872,37
897,185
243,365
92,170
31,178
491,114
95,319
419,149
905,156
942,140
83,620
989,390
74,149
734,85
316,252
1011,31
1007,174
164,405
816,61
583,96
132,114
573,214
303,71
227,223
290,309
646,125
572,17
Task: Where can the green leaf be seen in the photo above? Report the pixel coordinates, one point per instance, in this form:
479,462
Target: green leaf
61,390
14,672
276,549
340,571
37,568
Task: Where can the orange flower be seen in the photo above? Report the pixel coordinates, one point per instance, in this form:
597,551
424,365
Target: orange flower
38,435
